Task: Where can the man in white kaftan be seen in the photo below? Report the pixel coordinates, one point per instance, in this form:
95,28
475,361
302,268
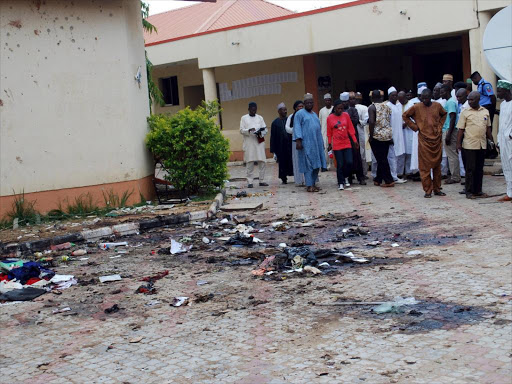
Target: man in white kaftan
254,129
504,93
323,115
396,155
411,137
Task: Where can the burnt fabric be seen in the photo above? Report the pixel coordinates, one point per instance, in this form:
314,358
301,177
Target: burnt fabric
24,294
29,270
428,122
281,146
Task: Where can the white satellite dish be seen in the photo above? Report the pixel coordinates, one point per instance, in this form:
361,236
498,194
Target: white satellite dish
497,43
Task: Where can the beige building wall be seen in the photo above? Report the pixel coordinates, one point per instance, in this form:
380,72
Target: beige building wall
267,105
71,112
188,75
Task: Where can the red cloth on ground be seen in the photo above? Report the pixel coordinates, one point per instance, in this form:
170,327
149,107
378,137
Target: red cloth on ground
3,277
338,129
32,280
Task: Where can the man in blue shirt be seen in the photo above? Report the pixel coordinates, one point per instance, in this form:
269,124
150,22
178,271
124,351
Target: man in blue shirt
487,97
450,135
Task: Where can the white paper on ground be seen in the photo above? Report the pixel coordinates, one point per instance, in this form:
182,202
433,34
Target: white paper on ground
177,247
61,278
105,279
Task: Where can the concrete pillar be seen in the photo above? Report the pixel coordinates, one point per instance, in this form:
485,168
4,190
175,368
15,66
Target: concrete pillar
210,85
210,88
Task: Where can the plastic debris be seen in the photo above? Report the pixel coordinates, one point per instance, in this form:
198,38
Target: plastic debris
414,253
201,282
147,289
179,301
224,221
106,279
60,247
79,252
394,245
112,245
394,306
206,240
324,265
313,270
177,247
282,245
60,310
373,243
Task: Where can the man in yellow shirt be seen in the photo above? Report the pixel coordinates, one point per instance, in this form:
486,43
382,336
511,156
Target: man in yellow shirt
475,126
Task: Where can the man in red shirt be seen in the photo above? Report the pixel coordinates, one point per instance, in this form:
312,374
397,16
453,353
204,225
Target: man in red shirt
339,127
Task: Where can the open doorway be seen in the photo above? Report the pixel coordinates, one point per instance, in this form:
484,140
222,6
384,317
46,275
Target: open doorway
399,65
193,95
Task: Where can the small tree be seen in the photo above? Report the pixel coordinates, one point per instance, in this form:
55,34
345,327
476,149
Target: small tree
190,147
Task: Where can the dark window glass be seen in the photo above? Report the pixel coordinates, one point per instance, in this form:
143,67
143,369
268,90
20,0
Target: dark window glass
169,88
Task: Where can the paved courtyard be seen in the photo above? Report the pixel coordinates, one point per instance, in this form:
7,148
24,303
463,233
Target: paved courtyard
288,327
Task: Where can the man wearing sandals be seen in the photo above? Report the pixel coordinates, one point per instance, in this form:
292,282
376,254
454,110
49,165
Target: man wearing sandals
475,125
307,134
428,121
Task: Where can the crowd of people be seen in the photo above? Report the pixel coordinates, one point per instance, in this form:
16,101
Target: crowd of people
443,133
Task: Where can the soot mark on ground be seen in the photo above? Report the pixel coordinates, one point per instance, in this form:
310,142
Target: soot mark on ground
423,317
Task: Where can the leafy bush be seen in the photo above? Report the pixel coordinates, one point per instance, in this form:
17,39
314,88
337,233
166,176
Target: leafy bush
190,147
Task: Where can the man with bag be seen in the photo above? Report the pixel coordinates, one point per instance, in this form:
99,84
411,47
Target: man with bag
253,128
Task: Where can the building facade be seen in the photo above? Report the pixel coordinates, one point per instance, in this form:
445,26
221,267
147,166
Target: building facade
361,45
72,114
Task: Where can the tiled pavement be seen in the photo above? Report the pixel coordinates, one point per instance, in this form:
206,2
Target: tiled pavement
275,331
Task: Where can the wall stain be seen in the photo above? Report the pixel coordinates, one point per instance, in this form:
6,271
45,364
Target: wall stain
15,23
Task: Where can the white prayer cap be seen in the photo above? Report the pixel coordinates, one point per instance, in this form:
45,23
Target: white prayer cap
344,96
391,89
327,96
421,89
308,96
281,105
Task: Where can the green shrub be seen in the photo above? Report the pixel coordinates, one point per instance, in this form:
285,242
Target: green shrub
190,147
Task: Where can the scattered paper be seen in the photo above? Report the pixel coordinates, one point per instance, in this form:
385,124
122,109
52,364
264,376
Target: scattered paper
179,301
177,247
61,278
106,279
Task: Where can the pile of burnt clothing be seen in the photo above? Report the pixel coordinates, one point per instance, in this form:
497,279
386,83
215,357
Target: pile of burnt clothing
22,280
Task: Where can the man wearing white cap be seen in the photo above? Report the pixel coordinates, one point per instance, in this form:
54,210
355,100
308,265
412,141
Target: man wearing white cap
396,155
362,111
307,134
323,115
357,167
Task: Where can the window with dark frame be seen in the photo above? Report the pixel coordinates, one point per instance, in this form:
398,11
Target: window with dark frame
169,88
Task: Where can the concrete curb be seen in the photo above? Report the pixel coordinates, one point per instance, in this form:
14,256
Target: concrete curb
119,230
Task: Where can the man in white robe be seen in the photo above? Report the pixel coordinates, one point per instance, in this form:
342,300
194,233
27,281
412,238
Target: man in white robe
396,154
254,129
362,111
412,137
504,92
323,115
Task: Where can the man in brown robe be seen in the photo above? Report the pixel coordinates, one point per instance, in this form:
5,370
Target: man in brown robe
428,122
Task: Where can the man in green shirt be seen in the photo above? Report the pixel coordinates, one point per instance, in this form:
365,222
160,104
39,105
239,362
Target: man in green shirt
450,136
